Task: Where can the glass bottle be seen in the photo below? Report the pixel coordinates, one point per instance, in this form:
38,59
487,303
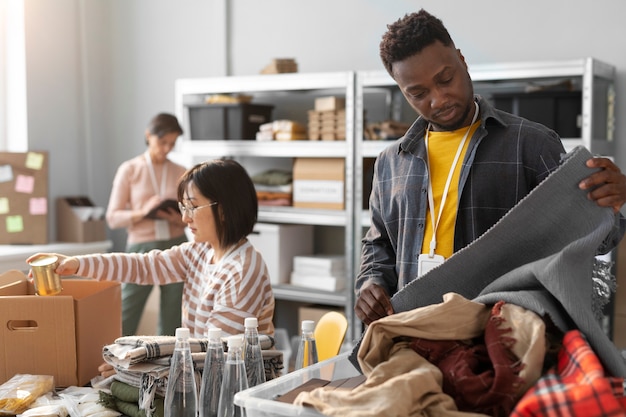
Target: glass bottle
307,349
235,379
212,374
253,357
181,395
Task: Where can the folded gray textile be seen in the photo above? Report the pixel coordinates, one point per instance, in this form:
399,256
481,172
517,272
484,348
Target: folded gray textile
540,256
130,350
144,362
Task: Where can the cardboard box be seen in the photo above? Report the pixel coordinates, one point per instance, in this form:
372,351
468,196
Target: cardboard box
78,220
59,335
331,103
279,243
319,183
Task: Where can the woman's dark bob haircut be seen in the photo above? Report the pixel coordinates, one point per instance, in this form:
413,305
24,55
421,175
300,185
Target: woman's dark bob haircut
226,182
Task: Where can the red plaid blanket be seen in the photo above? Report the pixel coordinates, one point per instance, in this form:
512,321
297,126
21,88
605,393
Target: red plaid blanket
577,386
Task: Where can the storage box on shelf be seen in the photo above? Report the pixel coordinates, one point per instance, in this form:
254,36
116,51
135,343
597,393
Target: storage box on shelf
323,272
279,243
319,183
60,335
227,121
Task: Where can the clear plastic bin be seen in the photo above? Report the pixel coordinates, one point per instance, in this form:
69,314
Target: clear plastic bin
282,343
259,400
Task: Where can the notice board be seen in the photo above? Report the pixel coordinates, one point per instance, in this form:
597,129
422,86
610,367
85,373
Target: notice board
24,198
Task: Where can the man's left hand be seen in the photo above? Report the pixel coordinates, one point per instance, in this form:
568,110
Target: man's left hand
607,186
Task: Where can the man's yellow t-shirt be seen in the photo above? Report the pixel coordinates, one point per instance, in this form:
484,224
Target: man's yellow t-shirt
442,147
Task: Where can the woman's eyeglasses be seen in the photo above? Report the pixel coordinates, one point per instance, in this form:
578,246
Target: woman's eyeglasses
191,211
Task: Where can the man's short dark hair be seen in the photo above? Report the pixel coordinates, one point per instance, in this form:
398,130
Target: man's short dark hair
409,35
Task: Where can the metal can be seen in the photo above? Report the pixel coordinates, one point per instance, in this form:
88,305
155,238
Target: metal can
45,279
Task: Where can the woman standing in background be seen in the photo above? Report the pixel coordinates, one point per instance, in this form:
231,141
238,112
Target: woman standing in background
141,184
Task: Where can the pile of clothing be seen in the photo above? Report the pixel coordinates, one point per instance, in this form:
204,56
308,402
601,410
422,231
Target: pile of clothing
274,187
142,366
508,325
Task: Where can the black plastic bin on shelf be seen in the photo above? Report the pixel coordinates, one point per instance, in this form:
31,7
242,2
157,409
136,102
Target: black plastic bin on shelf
227,121
559,110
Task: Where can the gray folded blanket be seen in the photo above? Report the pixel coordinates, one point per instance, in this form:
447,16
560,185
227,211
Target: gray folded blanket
540,256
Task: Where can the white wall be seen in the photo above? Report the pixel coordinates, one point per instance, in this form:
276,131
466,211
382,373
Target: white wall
99,69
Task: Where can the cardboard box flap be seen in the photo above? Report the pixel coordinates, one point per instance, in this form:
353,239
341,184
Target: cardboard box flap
13,282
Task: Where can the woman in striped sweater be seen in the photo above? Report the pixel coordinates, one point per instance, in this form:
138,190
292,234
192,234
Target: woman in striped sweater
225,278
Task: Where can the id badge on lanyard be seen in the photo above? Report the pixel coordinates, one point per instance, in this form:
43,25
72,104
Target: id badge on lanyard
162,229
426,262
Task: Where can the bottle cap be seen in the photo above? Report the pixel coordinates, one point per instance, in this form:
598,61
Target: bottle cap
182,333
308,325
235,341
215,333
251,322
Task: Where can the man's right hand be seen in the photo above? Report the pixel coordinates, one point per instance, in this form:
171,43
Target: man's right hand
373,303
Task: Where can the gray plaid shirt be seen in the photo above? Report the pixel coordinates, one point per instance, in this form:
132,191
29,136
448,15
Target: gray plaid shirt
507,157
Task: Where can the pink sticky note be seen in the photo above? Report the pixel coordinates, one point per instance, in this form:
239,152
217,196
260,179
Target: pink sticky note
25,184
38,205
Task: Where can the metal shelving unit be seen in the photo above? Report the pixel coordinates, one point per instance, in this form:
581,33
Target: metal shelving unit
292,95
367,94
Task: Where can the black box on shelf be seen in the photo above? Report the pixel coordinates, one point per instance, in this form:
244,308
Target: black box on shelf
227,121
558,110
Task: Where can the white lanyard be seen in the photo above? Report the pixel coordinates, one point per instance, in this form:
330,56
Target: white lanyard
160,192
431,199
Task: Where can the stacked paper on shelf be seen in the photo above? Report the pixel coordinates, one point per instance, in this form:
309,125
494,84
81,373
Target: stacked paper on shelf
322,272
281,130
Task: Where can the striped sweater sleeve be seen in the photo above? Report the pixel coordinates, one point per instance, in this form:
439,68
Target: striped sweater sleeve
156,267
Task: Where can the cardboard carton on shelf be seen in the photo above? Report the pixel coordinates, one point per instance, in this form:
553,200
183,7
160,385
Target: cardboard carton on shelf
78,220
319,183
60,335
331,103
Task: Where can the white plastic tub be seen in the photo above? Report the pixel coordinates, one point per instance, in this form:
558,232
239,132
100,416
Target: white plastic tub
259,400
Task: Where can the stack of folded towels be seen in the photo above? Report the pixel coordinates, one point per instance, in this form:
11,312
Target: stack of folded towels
142,366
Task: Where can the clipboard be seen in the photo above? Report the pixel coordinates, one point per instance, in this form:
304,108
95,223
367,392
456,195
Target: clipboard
165,205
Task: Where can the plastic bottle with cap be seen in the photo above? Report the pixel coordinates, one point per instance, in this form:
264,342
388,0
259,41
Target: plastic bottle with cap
212,374
307,349
235,379
181,395
253,356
